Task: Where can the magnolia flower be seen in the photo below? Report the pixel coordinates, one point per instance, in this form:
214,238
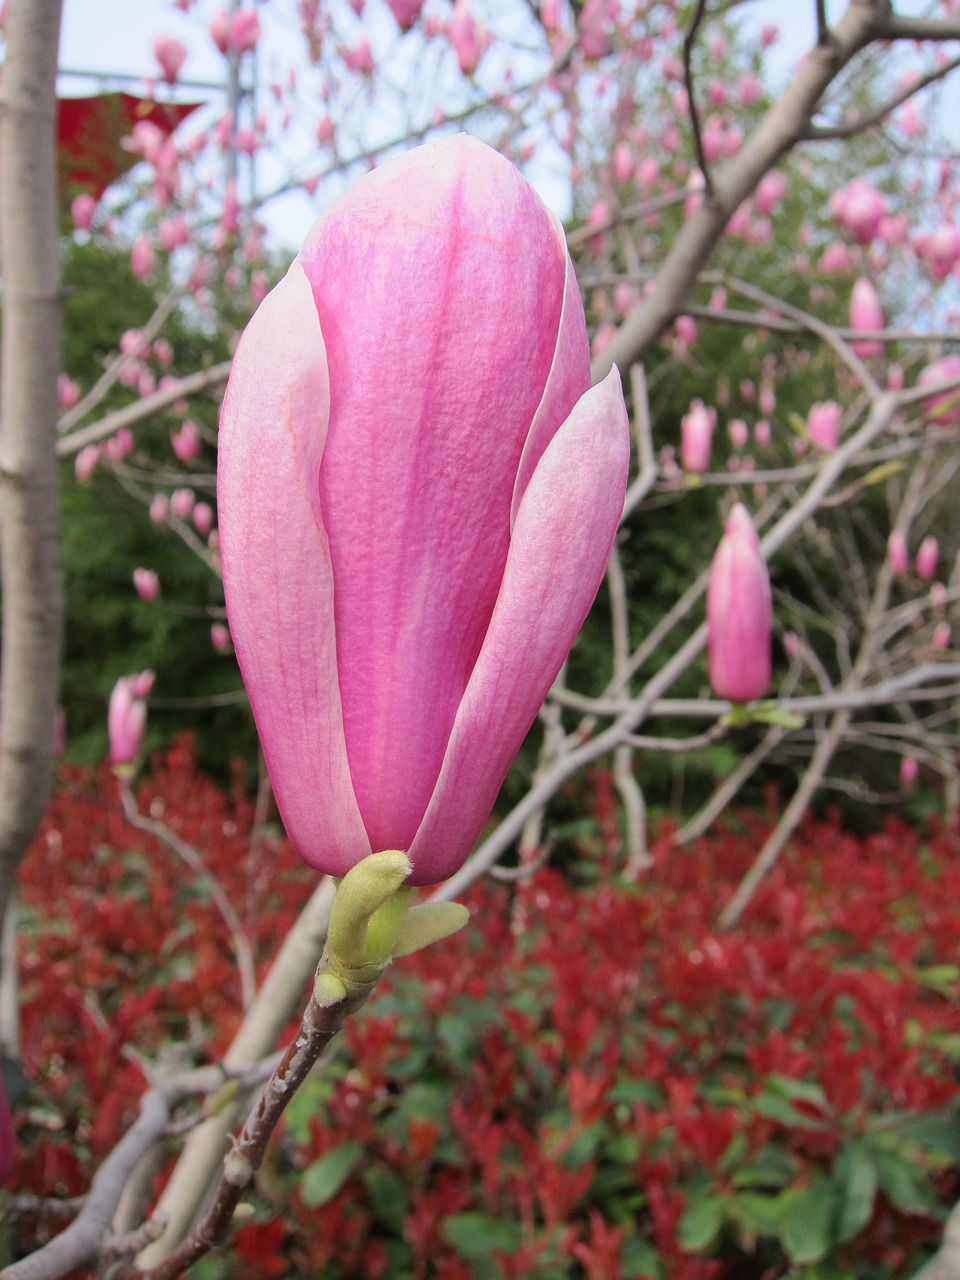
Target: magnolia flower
739,613
898,557
127,717
943,409
418,492
146,583
927,557
696,435
823,424
866,316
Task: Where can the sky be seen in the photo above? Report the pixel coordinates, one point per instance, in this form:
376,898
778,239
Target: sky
111,38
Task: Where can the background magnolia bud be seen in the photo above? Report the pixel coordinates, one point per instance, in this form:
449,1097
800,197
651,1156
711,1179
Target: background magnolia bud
739,613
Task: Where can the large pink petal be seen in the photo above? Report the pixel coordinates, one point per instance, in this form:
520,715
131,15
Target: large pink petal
561,541
277,573
439,281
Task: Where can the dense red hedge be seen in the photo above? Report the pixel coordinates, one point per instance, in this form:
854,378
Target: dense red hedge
590,1081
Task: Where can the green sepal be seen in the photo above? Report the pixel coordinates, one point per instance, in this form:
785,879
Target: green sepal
742,714
428,923
364,889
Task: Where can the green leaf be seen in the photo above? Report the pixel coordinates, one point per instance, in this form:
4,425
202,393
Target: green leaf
770,1167
806,1216
324,1178
640,1260
755,1213
388,1196
477,1236
855,1172
701,1223
902,1183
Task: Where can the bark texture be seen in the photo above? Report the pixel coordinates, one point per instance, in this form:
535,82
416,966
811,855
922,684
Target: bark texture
29,364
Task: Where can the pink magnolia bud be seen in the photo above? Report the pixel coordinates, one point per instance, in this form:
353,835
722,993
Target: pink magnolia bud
86,461
791,645
908,772
739,432
186,442
147,584
940,640
696,434
938,596
159,508
860,208
220,637
244,31
423,366
898,557
202,516
406,12
739,613
68,391
82,210
943,409
467,38
866,317
171,55
761,433
770,191
127,717
927,558
181,503
141,257
823,425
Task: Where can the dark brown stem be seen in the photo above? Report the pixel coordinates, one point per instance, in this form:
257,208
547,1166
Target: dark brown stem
317,1029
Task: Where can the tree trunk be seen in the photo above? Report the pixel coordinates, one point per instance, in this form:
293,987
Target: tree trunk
29,364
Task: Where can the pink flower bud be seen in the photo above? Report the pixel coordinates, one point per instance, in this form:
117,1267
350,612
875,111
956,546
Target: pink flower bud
68,392
943,409
938,596
739,432
406,12
791,645
940,640
220,637
823,425
159,508
739,613
82,209
127,717
467,38
761,433
424,367
898,558
908,772
181,503
170,55
927,558
186,442
147,584
86,461
696,434
866,317
141,257
202,516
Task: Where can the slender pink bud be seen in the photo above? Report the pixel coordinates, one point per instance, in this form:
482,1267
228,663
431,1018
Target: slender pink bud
696,433
68,391
866,316
127,717
823,425
927,558
908,772
739,613
739,432
898,558
159,508
147,584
